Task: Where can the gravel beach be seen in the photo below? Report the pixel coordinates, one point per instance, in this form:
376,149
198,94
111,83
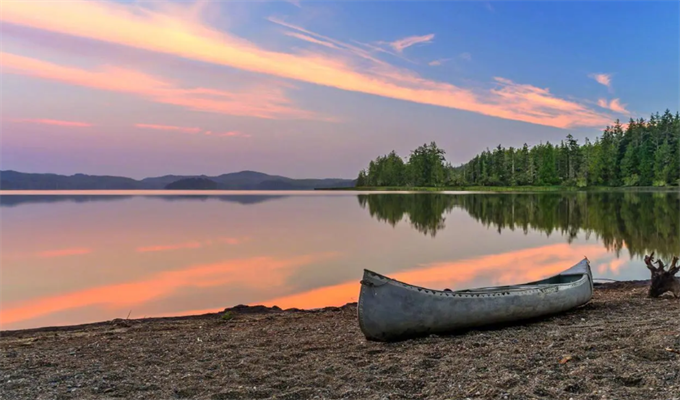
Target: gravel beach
621,345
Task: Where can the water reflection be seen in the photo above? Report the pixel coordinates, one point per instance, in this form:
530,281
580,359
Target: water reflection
640,222
72,259
16,200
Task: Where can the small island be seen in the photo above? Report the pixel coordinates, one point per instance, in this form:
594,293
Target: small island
192,184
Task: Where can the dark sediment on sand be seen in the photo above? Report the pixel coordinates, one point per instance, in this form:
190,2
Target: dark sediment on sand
621,345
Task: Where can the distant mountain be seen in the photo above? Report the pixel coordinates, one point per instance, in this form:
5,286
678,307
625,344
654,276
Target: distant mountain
13,180
244,180
192,184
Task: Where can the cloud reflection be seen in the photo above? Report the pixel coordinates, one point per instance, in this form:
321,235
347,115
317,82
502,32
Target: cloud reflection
191,245
497,269
257,274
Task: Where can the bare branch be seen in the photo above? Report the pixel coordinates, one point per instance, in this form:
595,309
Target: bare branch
662,267
674,268
649,261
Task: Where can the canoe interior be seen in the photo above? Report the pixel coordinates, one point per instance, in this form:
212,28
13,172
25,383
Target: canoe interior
553,280
578,272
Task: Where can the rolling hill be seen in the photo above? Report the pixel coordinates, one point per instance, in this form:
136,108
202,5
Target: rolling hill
243,180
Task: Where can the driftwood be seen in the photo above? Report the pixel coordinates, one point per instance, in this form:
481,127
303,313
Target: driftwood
663,280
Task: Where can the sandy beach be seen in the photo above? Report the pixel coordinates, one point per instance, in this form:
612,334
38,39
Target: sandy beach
621,345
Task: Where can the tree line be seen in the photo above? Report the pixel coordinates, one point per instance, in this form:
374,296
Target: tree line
641,153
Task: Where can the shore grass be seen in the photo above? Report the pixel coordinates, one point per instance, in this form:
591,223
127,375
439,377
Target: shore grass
506,189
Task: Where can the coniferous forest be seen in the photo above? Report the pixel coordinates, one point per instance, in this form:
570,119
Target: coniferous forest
640,153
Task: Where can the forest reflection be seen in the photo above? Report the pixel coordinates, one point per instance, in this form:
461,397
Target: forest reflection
642,222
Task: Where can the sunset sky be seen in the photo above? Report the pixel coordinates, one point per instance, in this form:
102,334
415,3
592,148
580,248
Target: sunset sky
318,88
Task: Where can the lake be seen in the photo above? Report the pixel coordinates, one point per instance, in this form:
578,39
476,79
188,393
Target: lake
84,257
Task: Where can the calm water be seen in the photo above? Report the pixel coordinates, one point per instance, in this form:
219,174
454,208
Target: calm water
70,259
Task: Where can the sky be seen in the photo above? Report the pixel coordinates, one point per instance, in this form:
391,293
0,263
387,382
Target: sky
315,89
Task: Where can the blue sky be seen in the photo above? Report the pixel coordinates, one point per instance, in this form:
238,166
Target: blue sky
318,88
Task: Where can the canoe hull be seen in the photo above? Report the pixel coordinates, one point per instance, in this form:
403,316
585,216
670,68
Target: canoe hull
392,310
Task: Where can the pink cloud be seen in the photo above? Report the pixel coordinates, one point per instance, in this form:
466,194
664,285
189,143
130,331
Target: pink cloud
233,240
168,128
602,79
614,105
232,134
54,122
178,246
191,130
268,102
401,44
64,252
172,32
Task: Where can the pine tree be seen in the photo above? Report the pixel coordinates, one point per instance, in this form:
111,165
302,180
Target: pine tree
663,165
361,179
646,153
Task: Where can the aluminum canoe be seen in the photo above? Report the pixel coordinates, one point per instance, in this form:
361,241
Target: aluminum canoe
392,310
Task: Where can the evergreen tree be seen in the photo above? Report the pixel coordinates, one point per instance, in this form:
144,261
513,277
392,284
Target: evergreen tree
646,153
361,179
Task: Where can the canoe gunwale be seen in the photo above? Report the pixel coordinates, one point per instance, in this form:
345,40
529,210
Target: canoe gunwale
494,292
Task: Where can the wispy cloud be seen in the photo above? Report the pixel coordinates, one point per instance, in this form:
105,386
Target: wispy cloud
228,134
489,7
168,33
178,246
326,41
602,79
614,105
401,44
267,102
311,39
192,130
168,128
437,63
64,252
54,122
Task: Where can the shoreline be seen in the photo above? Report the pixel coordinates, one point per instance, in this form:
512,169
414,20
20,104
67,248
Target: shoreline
506,189
240,309
244,310
208,192
621,344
